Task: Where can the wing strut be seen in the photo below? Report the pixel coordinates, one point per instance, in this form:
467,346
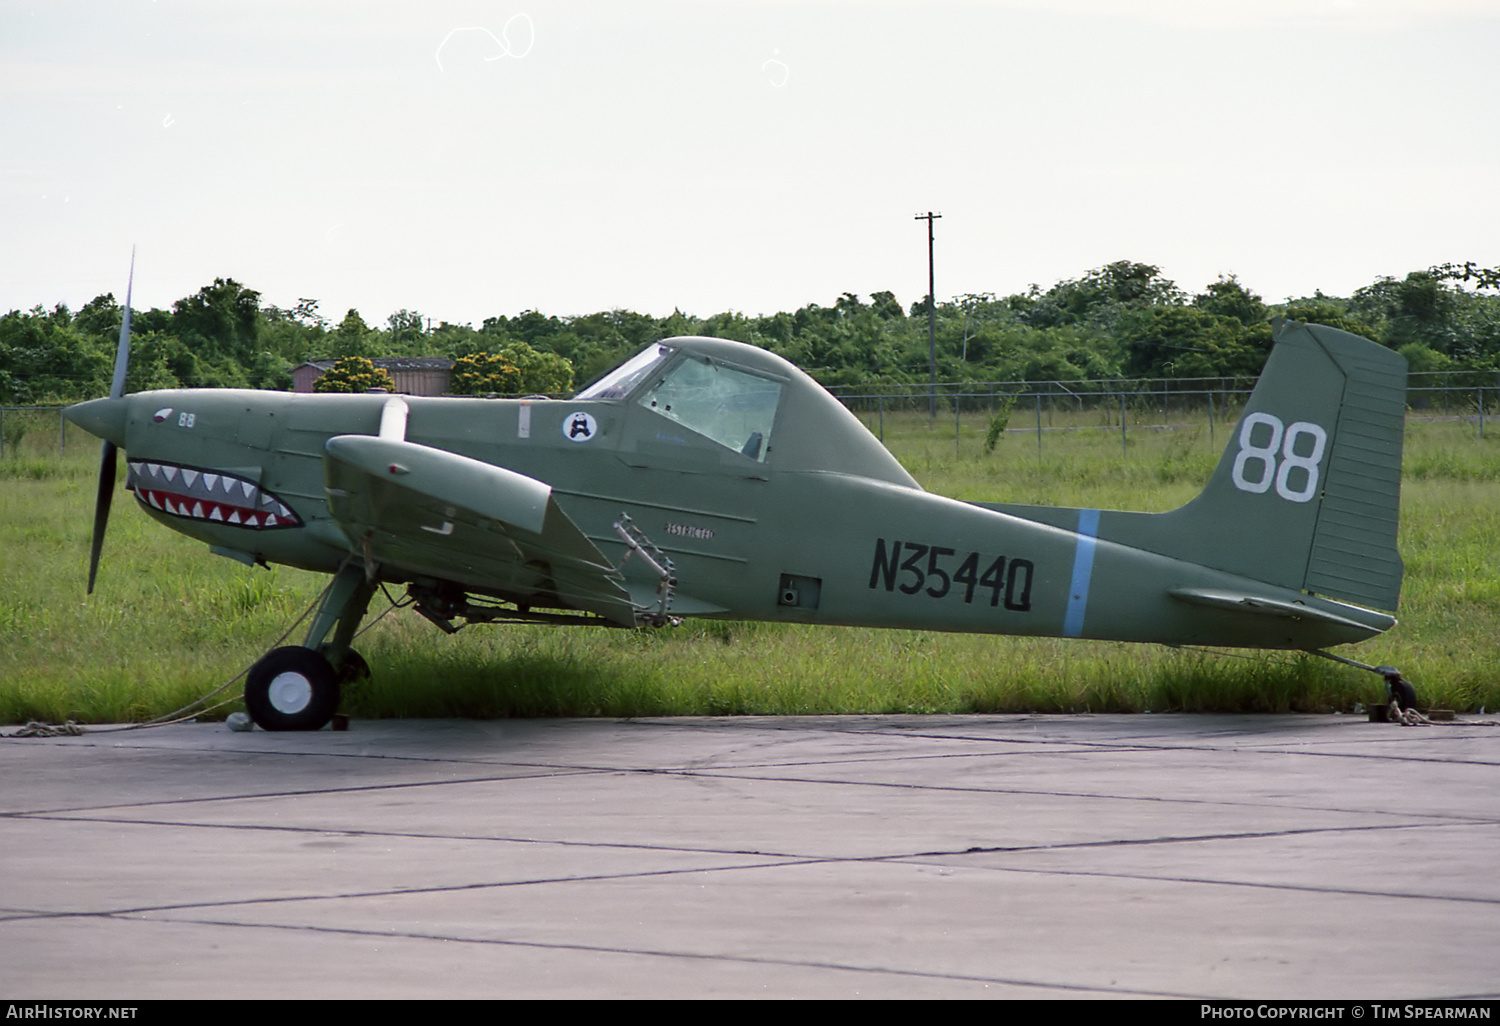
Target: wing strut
636,542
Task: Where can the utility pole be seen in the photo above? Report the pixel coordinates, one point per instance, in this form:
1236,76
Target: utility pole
930,217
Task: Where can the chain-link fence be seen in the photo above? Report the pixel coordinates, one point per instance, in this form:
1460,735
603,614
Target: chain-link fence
1120,404
39,429
1112,404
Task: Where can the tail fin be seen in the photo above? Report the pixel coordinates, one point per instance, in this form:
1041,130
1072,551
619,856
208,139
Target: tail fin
1307,494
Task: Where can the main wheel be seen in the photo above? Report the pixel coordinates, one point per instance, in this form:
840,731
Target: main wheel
291,688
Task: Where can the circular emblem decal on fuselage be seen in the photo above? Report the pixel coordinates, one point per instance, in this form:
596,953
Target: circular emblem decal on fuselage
579,427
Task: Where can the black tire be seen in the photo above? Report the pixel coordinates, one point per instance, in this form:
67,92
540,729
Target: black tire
291,688
1404,694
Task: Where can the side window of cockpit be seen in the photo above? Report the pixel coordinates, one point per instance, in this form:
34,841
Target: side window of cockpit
732,407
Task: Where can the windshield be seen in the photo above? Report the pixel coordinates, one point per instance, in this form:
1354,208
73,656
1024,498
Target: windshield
621,381
732,407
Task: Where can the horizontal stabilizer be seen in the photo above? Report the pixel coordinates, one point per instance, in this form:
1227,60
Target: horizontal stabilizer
1370,622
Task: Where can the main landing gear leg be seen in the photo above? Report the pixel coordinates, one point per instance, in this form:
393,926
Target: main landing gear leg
297,687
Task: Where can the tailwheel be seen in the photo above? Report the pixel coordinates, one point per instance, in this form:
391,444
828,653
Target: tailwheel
292,688
1398,688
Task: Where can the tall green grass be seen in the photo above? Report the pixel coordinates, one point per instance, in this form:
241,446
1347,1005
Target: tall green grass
169,621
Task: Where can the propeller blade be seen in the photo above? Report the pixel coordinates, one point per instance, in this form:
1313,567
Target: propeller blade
107,453
122,351
101,508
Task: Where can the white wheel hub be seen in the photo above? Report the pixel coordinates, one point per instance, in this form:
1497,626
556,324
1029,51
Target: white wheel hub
290,693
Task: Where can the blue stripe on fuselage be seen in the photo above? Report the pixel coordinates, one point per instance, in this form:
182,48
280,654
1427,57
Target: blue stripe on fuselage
1083,571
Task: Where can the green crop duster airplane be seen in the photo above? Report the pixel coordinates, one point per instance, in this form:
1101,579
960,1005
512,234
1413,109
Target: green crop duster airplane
710,478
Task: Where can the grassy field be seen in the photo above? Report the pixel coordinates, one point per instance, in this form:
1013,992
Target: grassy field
170,622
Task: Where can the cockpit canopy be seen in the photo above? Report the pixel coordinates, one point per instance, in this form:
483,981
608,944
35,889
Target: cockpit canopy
731,406
736,394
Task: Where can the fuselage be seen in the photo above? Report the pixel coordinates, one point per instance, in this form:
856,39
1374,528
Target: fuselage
809,520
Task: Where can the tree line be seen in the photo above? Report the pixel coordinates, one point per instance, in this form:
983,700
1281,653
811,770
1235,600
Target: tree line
1123,319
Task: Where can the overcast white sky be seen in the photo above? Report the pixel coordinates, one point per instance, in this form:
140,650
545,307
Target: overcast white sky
466,159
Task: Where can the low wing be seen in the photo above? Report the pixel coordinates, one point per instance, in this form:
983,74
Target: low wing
436,513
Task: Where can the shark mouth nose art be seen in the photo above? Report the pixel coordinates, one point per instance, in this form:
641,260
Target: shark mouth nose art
197,494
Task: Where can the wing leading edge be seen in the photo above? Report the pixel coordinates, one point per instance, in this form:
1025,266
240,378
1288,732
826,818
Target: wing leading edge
429,512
